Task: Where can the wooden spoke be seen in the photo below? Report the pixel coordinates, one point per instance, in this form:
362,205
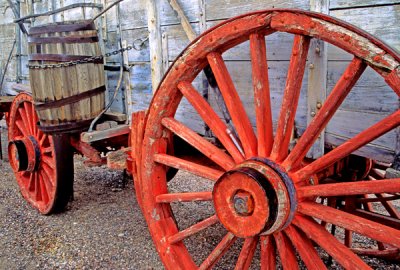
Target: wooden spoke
218,252
24,118
234,104
392,211
43,139
351,222
350,188
290,98
43,189
49,162
184,197
262,99
247,253
286,251
198,142
38,192
202,225
211,118
31,183
21,126
329,243
47,181
319,122
29,114
350,146
268,253
305,248
181,164
379,218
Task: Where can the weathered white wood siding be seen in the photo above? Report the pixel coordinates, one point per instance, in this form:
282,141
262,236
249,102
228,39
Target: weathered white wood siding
370,101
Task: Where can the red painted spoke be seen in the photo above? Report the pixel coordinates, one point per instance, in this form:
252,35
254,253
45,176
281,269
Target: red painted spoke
350,188
392,211
181,164
291,98
268,253
49,162
198,142
43,139
31,183
379,218
286,251
305,248
262,100
47,181
43,189
202,225
393,79
38,192
329,243
28,111
49,173
184,197
211,118
234,104
324,115
247,253
24,118
350,146
218,252
351,222
21,126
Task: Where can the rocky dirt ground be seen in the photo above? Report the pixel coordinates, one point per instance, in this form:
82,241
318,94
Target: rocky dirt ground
102,228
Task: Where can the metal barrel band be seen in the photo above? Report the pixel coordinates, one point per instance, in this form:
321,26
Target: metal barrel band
46,29
69,100
64,40
62,58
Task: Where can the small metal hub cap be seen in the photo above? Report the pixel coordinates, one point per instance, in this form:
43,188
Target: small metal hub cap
24,154
257,197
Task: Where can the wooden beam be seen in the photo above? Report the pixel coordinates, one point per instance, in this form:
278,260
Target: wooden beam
187,27
317,79
88,137
154,43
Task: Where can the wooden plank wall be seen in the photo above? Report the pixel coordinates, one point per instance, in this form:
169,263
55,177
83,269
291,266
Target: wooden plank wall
365,106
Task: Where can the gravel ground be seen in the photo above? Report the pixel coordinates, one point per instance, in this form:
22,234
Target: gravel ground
103,227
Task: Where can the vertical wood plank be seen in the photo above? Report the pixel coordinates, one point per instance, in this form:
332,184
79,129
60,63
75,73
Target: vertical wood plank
317,79
154,43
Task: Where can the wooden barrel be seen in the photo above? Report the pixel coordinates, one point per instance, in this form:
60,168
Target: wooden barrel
67,98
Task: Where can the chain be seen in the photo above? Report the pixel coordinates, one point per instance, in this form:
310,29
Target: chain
137,45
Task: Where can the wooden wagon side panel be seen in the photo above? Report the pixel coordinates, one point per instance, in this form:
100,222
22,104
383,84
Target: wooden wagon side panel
371,99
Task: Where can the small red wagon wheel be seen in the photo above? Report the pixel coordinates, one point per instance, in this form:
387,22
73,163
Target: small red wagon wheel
263,192
42,164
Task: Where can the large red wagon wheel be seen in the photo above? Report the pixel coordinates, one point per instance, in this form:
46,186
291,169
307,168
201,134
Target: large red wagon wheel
261,191
42,164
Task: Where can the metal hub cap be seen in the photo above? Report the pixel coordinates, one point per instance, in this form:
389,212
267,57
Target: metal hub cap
255,198
24,154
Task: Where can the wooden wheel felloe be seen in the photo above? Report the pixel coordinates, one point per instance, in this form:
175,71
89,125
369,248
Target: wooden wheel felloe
262,190
42,164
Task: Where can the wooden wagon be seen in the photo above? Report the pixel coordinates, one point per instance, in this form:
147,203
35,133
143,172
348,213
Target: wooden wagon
287,160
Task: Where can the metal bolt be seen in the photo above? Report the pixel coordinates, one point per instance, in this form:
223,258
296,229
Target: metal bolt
319,105
312,181
318,50
312,113
243,203
311,66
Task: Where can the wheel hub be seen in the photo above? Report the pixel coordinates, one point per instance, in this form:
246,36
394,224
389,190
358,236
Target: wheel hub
24,154
255,198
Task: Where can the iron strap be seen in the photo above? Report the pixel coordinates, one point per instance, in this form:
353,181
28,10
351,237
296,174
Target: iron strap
69,100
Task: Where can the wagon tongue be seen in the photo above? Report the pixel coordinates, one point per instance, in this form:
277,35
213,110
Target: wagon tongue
257,197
